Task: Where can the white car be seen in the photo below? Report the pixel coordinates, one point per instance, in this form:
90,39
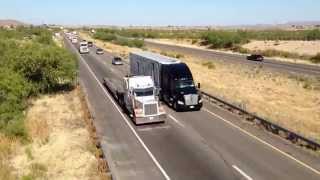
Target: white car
74,40
84,47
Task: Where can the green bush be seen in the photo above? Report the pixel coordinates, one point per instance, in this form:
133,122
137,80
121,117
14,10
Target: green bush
223,39
46,67
29,67
14,90
111,36
104,36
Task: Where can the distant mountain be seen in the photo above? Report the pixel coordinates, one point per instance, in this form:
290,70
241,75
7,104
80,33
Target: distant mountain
10,22
304,23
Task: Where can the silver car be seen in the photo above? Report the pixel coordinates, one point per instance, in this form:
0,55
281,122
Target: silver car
99,51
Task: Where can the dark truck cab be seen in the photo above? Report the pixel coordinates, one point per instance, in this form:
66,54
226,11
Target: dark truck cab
172,78
178,88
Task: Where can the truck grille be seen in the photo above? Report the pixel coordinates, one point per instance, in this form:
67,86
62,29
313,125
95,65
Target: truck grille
150,109
191,99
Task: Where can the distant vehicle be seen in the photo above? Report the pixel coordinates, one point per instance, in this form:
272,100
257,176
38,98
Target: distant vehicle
136,95
117,61
74,40
83,47
255,57
90,44
172,78
99,51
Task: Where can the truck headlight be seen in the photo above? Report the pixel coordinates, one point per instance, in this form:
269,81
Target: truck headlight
180,102
200,101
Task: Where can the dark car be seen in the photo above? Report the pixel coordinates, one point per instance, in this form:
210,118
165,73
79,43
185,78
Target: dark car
117,61
90,44
255,57
99,51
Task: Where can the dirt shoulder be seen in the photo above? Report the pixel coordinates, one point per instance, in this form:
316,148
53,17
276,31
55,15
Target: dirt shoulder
61,144
308,48
290,101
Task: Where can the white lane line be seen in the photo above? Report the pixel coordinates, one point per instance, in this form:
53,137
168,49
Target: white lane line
263,142
242,172
127,122
175,120
153,128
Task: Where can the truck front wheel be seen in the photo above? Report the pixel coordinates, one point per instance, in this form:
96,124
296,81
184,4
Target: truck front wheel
175,106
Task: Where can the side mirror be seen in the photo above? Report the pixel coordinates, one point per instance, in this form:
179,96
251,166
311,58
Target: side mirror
199,86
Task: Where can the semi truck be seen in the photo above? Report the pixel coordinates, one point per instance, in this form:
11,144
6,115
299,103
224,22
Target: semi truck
172,78
137,96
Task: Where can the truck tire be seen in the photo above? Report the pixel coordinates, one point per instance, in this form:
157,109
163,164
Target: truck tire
175,106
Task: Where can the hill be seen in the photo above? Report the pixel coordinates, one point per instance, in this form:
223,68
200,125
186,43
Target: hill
10,22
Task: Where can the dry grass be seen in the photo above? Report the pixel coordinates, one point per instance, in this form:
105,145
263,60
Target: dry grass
7,146
301,47
290,101
60,141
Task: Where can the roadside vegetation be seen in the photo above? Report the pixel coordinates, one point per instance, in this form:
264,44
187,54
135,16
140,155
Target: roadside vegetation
224,35
30,64
216,39
43,131
112,36
291,101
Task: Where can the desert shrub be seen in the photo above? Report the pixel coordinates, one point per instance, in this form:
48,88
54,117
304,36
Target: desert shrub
209,65
179,56
194,41
223,39
316,58
111,36
104,36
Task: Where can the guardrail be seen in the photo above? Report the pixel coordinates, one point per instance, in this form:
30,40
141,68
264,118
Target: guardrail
293,137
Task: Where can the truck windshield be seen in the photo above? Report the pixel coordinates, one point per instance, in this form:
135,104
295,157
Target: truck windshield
184,84
144,92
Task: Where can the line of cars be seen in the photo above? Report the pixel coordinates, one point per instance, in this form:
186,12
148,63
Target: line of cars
84,47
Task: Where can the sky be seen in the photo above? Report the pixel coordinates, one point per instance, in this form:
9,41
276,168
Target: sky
160,12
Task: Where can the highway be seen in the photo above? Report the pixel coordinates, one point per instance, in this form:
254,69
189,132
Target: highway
284,67
207,144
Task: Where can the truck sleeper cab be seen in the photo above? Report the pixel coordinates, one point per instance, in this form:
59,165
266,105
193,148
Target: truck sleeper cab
172,78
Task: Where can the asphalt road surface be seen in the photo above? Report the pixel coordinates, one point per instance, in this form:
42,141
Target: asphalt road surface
285,67
207,144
